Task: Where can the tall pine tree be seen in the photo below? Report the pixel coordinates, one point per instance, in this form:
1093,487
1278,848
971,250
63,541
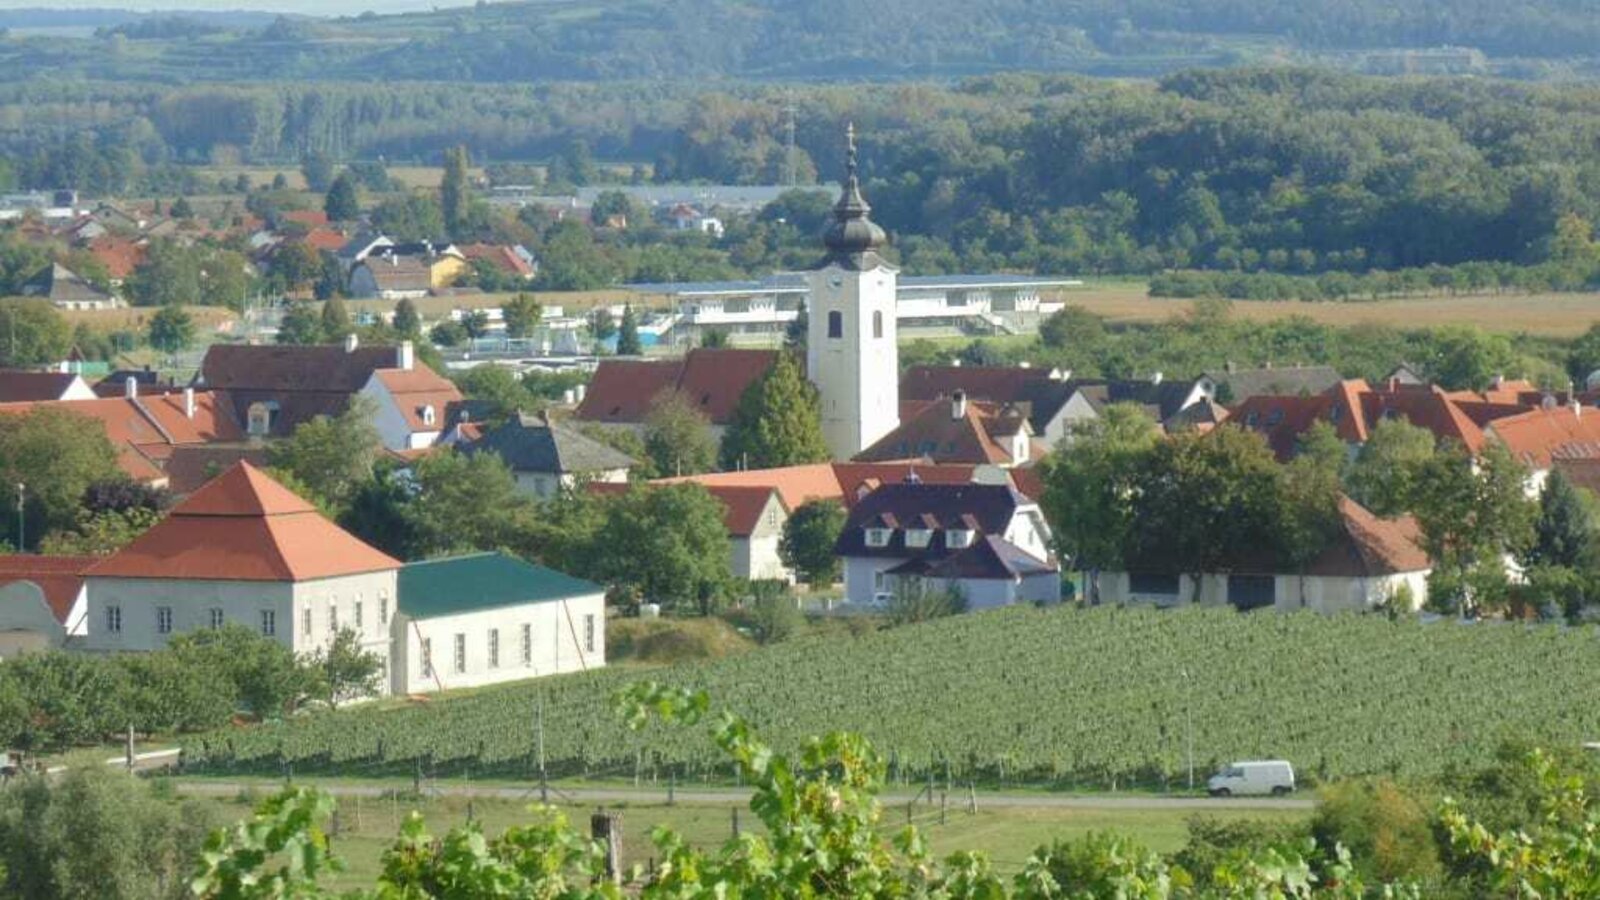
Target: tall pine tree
454,198
778,422
342,203
628,335
1564,531
335,320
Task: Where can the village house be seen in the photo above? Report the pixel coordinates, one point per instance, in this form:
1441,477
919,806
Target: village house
957,431
547,458
272,389
986,541
391,277
510,261
1548,437
242,550
486,618
623,392
146,430
43,603
1371,562
66,289
755,517
27,386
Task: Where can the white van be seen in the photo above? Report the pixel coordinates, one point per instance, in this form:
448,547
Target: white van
1259,777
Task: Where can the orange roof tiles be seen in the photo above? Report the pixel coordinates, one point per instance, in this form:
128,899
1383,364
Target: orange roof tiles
1540,436
144,429
243,526
940,435
414,390
1371,545
60,578
744,506
844,482
119,255
710,380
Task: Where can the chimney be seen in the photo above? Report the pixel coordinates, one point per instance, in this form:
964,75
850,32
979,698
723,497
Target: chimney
1024,365
581,391
570,397
351,342
1498,382
1156,378
956,362
130,387
958,405
1577,409
188,403
405,356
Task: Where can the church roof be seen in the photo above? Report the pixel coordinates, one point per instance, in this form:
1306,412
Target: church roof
853,239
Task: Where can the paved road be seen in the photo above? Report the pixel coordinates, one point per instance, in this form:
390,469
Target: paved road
600,796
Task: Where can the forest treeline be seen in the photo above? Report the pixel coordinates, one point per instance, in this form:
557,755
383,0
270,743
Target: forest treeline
1294,171
808,39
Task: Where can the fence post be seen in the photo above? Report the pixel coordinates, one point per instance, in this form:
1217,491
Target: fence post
672,787
972,799
607,827
736,823
128,749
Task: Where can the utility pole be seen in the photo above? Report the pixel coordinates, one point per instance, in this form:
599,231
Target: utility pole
544,782
22,506
790,174
1188,721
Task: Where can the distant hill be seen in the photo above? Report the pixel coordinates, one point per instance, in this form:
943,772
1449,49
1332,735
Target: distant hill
845,39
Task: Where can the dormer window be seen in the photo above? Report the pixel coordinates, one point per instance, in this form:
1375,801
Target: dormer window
918,537
428,415
879,537
259,418
958,538
1274,417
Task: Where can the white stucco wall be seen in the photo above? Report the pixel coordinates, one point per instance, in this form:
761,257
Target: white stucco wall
857,374
544,485
26,622
393,427
861,577
1324,594
557,632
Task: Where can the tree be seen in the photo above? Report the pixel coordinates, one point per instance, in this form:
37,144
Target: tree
1204,502
808,540
447,333
1383,475
296,264
345,671
628,334
454,193
608,205
57,454
677,437
99,533
32,333
260,672
777,423
601,323
475,322
1309,516
772,612
407,322
714,338
1473,511
93,832
410,217
1071,326
797,331
181,209
1564,532
335,322
1088,482
342,203
914,600
1469,359
522,314
318,168
171,330
664,544
331,456
301,324
464,503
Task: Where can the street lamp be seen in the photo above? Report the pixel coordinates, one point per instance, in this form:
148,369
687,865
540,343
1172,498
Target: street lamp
1188,722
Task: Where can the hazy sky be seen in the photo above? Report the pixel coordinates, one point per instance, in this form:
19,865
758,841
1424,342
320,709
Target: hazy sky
308,7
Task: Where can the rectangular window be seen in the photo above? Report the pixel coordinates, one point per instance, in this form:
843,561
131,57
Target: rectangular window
1158,583
269,622
216,618
163,620
305,622
588,633
114,619
494,648
427,657
835,324
461,654
359,616
527,644
383,609
333,618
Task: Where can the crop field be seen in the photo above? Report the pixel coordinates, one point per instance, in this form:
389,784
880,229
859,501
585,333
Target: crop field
1091,700
1552,315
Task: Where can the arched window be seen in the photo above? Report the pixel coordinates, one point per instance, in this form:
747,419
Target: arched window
877,323
836,324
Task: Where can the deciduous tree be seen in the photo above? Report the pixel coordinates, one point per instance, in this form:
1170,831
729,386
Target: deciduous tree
809,536
777,423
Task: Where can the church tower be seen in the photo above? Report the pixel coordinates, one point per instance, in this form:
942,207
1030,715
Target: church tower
851,350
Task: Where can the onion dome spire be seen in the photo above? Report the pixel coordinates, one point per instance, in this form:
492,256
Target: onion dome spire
852,233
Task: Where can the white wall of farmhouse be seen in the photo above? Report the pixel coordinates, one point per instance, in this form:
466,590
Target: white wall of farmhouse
487,646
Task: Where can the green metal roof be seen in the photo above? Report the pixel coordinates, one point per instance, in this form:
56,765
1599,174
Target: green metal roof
461,584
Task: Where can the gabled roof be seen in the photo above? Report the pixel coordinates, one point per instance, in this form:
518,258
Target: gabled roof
144,430
59,578
286,367
503,258
119,255
990,558
744,506
462,584
417,389
1540,436
192,466
400,273
243,526
18,386
844,482
1370,546
941,434
533,444
985,508
623,391
1428,408
1247,383
59,284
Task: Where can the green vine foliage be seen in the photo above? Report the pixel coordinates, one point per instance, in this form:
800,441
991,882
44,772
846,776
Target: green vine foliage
823,838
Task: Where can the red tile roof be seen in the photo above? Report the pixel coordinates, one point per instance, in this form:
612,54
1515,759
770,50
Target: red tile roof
243,526
744,506
1368,545
416,389
1354,409
324,239
502,257
1539,436
145,429
311,218
623,391
938,435
119,255
844,482
60,578
1002,384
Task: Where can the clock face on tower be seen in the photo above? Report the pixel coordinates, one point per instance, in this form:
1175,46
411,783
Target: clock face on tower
835,282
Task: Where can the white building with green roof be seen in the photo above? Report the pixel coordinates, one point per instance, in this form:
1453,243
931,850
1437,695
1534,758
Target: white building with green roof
482,619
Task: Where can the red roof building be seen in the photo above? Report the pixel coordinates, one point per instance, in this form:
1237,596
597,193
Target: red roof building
956,431
1539,437
623,391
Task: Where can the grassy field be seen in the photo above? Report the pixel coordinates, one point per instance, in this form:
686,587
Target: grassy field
1008,835
1555,315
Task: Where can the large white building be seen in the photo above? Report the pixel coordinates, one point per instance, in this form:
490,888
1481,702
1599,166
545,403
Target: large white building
852,353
